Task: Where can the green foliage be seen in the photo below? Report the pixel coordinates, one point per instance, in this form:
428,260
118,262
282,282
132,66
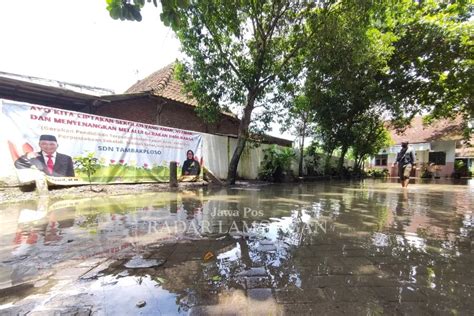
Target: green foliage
241,54
87,164
459,165
300,122
370,136
126,173
430,68
398,58
125,9
300,117
357,60
313,159
377,173
276,161
131,10
344,67
99,170
461,169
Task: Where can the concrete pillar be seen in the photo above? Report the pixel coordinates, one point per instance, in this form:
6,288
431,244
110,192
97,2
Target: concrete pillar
173,174
41,185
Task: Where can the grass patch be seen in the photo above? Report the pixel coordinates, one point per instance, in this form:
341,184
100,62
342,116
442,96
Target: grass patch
125,173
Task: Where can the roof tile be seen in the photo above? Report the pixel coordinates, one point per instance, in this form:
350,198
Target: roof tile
417,132
163,83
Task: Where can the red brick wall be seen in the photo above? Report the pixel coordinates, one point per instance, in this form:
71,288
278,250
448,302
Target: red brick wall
173,114
139,110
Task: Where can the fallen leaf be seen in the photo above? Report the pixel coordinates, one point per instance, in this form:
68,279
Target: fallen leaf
208,256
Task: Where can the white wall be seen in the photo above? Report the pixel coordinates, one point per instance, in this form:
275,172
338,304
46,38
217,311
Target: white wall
449,147
218,150
422,157
216,154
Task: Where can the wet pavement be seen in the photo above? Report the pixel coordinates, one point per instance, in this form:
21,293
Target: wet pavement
354,248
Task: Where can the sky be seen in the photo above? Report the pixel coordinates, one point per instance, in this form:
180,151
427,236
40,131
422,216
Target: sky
76,41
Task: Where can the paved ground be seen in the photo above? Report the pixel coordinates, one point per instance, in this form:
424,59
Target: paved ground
339,249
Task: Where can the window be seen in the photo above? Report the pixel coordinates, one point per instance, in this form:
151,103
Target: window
437,158
381,160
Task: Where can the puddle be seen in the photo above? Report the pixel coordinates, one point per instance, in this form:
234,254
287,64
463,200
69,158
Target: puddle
359,247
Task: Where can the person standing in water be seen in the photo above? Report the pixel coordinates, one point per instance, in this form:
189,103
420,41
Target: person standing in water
191,166
405,161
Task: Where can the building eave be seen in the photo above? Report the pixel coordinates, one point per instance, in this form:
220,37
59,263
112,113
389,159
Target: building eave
24,91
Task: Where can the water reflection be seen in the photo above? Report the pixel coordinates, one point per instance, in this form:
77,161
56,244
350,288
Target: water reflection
367,247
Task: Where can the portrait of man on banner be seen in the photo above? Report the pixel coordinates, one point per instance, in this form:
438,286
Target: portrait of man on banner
44,141
47,160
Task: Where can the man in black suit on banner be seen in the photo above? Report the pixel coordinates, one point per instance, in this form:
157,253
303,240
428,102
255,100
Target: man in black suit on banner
47,160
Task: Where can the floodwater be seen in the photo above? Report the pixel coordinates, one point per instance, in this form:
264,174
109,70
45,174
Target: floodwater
357,248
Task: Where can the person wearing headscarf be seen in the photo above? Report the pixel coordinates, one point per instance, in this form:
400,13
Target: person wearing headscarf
190,166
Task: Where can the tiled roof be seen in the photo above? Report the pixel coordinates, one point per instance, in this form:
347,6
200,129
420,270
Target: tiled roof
163,83
465,152
439,130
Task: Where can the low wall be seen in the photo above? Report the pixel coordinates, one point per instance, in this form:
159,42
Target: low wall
218,150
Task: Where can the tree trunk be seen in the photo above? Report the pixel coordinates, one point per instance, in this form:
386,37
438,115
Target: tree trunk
361,163
340,165
327,163
356,163
300,166
242,138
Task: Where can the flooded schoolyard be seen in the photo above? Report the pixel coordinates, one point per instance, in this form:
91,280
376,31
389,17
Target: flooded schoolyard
355,248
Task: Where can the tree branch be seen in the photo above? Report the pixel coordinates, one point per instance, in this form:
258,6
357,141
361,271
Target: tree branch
219,47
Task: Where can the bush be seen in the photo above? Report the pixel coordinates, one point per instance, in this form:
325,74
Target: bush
276,163
313,161
377,173
87,164
426,174
461,170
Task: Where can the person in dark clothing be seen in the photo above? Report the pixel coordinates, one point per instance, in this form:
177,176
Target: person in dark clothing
191,166
405,161
47,160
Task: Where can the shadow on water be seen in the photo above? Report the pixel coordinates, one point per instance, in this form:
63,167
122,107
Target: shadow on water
355,247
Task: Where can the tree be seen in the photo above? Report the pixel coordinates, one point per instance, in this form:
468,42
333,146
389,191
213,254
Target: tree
344,69
396,58
239,53
87,164
370,136
299,120
430,69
